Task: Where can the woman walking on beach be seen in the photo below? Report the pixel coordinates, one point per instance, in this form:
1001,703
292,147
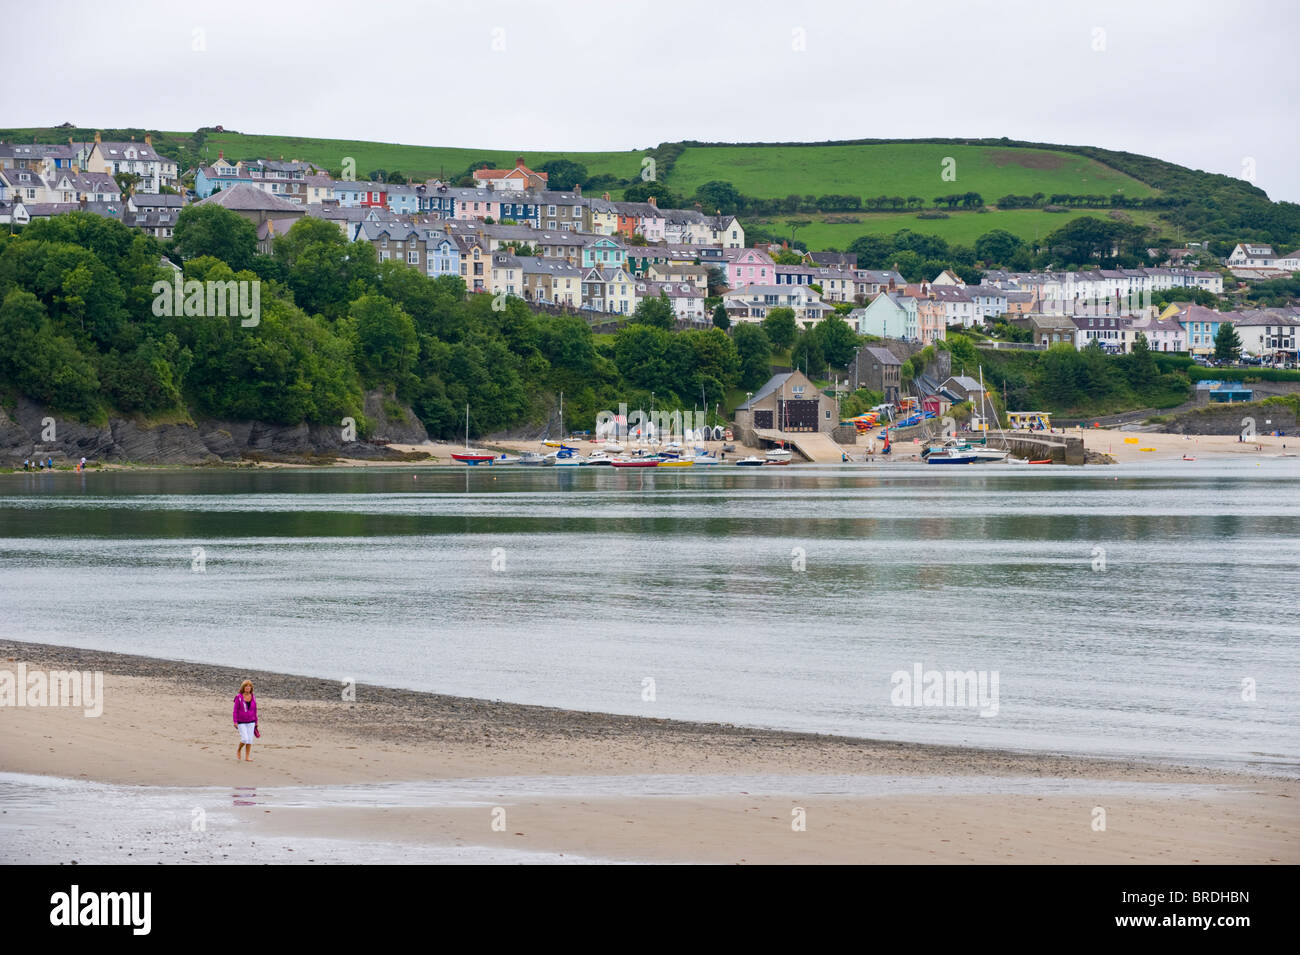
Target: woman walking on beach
245,717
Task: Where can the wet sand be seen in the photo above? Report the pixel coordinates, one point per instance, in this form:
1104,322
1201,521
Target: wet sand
616,788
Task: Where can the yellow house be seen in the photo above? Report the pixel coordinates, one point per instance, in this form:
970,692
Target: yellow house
604,216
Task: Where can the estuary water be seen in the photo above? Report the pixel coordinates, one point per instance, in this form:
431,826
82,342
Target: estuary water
1118,611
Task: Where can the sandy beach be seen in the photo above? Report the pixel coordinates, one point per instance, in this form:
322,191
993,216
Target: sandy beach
615,788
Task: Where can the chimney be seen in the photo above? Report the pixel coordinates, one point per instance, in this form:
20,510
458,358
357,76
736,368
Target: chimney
221,154
577,189
519,162
148,139
97,139
605,197
652,202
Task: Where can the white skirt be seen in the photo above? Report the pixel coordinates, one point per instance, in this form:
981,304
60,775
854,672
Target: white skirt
246,733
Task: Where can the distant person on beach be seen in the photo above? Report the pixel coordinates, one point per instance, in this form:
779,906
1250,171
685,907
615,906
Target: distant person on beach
245,717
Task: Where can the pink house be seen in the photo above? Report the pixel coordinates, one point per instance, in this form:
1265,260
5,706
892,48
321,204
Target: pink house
751,267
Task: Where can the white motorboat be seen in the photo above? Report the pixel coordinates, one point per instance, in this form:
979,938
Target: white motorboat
779,454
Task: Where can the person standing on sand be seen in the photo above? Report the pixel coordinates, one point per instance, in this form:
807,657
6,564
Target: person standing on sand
245,717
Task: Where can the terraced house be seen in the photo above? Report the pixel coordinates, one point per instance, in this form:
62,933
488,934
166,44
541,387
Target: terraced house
609,290
604,252
551,281
138,159
564,211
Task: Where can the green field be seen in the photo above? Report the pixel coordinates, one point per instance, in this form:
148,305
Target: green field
415,162
961,228
906,169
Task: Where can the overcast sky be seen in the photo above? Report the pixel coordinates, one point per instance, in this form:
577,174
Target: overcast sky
1211,85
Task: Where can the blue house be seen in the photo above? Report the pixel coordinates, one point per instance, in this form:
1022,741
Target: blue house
403,200
604,253
442,254
521,207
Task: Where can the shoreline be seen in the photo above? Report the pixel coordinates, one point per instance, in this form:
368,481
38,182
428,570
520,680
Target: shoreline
886,801
1123,447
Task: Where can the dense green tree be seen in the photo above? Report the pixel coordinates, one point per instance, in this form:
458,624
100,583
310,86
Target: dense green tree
781,328
998,247
385,344
656,311
1227,343
755,352
209,229
838,341
718,195
564,174
720,318
41,363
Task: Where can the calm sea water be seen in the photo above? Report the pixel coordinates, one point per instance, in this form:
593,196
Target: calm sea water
1123,610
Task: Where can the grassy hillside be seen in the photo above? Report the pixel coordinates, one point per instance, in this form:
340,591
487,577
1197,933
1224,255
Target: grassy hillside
415,162
1193,204
906,169
961,228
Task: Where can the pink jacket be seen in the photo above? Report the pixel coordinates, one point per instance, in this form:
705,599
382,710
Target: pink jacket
245,712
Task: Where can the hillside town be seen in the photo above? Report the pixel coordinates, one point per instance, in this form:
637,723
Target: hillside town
510,233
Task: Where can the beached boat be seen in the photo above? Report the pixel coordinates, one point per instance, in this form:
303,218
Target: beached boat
645,462
599,458
569,460
778,455
470,456
677,462
750,462
1189,457
705,459
1042,461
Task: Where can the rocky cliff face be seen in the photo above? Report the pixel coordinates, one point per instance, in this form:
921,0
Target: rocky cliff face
32,431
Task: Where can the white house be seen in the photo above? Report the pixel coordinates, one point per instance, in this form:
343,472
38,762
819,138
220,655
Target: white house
1249,255
889,315
752,303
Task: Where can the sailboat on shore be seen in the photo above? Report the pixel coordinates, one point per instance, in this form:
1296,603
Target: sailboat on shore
469,456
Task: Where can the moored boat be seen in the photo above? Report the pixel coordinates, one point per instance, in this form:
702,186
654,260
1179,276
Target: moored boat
677,463
645,462
750,462
950,456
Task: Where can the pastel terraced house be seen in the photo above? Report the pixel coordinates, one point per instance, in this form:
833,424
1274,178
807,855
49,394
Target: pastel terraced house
551,281
609,290
751,267
888,315
365,194
604,253
138,159
753,303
